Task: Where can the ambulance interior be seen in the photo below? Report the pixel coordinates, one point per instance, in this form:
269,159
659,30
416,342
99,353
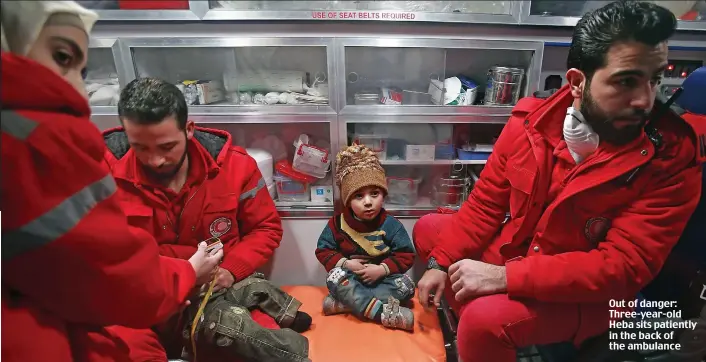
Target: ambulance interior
290,87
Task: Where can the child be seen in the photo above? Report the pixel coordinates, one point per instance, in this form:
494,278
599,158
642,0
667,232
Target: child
365,251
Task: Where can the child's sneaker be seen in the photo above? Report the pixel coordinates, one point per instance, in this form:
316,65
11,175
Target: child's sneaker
394,316
332,306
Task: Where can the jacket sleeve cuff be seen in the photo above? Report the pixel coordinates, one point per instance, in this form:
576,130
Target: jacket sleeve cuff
386,267
519,283
340,262
441,257
181,275
239,268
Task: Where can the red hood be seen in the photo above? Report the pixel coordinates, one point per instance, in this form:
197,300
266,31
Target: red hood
548,118
28,85
212,145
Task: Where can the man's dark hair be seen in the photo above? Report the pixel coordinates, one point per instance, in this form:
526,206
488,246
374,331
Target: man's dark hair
619,21
150,101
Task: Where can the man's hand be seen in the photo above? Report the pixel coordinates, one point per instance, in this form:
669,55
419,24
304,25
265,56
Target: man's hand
224,279
353,265
470,278
433,283
204,263
371,273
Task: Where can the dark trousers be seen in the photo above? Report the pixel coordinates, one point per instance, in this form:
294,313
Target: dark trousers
227,330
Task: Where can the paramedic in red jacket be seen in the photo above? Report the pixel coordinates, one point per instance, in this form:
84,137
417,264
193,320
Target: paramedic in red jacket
596,198
70,262
185,184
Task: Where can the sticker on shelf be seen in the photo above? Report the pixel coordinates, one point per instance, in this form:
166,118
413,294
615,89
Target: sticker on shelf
363,15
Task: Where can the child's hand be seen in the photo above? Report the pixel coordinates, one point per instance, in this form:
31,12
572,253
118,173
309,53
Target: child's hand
371,273
353,265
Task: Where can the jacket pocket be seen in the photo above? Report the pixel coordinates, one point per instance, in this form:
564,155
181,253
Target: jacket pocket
219,216
521,184
140,216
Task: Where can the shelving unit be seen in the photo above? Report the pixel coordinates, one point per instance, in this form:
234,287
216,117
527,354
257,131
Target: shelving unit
359,46
432,163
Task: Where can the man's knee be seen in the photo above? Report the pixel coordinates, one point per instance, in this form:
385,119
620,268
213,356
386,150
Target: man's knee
483,320
426,233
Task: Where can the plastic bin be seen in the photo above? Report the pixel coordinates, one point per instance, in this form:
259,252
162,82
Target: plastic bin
377,143
475,152
444,151
291,190
291,185
310,159
402,190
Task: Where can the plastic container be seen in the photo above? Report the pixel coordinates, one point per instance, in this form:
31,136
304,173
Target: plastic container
290,190
402,190
309,159
475,152
444,151
377,143
291,185
450,190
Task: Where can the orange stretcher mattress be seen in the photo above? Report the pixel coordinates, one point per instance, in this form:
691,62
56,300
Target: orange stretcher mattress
344,338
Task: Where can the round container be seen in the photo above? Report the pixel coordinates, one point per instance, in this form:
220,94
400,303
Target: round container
451,189
504,85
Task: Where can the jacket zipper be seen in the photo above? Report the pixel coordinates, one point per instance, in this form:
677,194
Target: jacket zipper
182,211
591,185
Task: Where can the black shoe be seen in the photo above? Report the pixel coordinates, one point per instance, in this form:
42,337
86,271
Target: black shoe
301,323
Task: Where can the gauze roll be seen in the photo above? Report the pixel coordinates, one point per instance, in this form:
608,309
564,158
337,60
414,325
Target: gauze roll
579,136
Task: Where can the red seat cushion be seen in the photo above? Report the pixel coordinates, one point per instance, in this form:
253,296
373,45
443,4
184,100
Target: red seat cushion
344,338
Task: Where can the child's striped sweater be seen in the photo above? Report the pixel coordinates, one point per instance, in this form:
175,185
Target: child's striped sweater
383,241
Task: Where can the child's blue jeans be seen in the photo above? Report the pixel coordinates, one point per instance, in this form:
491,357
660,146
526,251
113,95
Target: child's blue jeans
345,287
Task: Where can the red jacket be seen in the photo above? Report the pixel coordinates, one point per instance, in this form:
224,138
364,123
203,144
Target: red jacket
609,230
224,194
71,263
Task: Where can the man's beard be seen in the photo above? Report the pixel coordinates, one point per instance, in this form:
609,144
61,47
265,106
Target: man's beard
602,124
166,176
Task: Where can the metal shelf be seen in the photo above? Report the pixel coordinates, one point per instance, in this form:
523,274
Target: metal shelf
477,110
200,11
304,210
104,111
255,110
571,21
260,110
147,15
421,208
425,119
432,163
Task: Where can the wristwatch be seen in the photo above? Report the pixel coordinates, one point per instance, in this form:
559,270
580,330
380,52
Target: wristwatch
433,264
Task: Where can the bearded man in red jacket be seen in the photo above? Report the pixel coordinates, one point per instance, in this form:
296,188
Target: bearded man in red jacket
184,184
598,184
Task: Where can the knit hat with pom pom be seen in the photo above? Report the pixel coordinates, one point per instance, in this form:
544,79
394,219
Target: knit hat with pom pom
356,167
